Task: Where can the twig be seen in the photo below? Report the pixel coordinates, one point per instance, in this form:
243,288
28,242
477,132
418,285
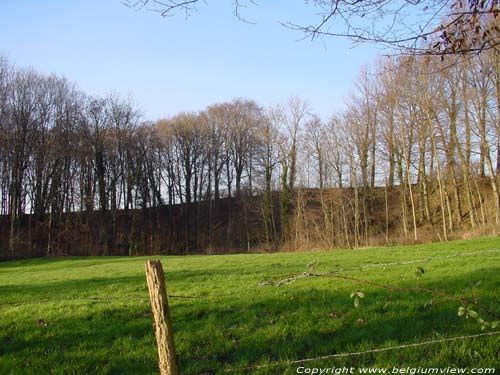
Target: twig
462,300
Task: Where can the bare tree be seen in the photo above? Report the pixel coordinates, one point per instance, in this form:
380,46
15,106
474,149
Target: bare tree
444,27
297,112
268,159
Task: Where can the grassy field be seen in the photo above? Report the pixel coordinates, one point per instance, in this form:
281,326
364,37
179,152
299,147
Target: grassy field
92,316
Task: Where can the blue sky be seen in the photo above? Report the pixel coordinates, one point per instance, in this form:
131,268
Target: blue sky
182,63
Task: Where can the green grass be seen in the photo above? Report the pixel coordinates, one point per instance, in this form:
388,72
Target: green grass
71,333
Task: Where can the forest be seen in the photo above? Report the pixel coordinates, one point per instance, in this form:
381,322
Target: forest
413,157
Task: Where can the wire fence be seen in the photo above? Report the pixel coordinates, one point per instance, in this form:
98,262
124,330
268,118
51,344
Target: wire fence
356,354
287,279
424,260
283,280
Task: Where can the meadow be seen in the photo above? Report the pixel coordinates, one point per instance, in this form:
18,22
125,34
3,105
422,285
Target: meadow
92,315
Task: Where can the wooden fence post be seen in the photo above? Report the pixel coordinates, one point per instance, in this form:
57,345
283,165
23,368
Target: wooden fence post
163,326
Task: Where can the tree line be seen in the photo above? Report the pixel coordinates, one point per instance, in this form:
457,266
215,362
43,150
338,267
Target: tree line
414,155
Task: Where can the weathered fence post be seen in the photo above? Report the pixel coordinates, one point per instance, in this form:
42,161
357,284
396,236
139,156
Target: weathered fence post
161,314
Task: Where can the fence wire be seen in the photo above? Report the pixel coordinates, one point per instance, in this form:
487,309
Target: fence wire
424,260
287,279
355,354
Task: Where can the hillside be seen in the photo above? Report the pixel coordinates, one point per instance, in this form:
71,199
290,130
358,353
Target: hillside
317,219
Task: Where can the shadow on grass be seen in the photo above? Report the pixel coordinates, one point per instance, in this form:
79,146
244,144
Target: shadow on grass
110,340
284,323
97,286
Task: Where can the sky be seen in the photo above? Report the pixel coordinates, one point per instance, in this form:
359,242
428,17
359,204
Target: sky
182,63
